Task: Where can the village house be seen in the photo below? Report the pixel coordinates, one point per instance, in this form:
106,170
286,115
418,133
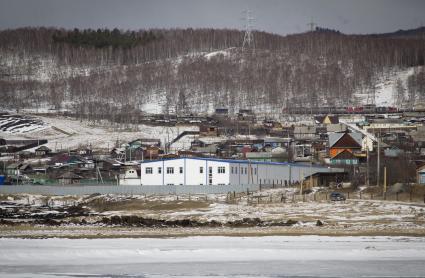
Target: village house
130,177
69,178
205,130
326,120
344,148
42,151
420,175
13,169
305,132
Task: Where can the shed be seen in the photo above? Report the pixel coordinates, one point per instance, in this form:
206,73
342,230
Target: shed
325,178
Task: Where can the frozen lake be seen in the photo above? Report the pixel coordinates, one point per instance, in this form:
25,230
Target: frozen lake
276,256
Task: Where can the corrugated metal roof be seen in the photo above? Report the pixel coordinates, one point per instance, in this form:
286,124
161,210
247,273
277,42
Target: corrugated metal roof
334,137
238,161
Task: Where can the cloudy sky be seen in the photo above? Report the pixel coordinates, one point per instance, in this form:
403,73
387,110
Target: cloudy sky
277,16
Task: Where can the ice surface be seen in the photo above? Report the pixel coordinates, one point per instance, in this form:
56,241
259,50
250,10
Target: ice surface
279,256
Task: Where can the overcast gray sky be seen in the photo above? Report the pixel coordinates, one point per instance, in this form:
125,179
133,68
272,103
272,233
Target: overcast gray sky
277,16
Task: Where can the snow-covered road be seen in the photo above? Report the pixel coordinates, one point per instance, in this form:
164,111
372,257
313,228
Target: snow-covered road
277,256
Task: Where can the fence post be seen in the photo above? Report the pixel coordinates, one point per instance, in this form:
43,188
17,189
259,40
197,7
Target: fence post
396,195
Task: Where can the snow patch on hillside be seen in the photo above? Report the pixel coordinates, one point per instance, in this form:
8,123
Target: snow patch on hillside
224,53
385,87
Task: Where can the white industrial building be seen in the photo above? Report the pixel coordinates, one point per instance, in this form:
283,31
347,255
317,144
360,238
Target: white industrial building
210,171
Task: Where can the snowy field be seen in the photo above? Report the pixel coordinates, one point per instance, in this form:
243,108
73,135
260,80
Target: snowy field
301,256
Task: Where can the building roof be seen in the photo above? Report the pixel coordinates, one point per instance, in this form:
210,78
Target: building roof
344,155
69,176
14,166
43,148
305,130
238,161
326,119
353,139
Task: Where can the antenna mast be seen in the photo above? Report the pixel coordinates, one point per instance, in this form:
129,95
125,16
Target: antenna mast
248,39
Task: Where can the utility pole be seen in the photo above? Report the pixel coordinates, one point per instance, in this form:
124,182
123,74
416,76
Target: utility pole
378,163
367,164
385,179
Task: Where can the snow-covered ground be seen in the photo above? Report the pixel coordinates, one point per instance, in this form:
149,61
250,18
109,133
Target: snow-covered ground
353,216
68,133
278,256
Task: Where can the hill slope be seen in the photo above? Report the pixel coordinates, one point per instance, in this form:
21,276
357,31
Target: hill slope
101,75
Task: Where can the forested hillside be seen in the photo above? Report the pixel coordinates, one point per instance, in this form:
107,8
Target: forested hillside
105,73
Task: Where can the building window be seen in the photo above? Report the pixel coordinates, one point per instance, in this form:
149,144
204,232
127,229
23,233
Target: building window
148,170
170,170
181,170
201,170
255,171
221,170
236,170
231,169
159,170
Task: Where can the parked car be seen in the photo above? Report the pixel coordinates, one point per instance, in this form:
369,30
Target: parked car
336,196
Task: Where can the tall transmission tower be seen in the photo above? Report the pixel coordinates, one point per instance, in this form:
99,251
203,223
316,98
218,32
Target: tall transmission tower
312,25
248,39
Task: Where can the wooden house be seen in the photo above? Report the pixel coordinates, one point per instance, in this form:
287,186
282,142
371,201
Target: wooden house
344,158
42,151
152,152
339,142
205,130
69,178
13,169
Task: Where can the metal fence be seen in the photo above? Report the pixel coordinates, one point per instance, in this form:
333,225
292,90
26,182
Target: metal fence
136,190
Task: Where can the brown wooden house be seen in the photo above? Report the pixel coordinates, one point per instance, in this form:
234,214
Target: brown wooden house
339,142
